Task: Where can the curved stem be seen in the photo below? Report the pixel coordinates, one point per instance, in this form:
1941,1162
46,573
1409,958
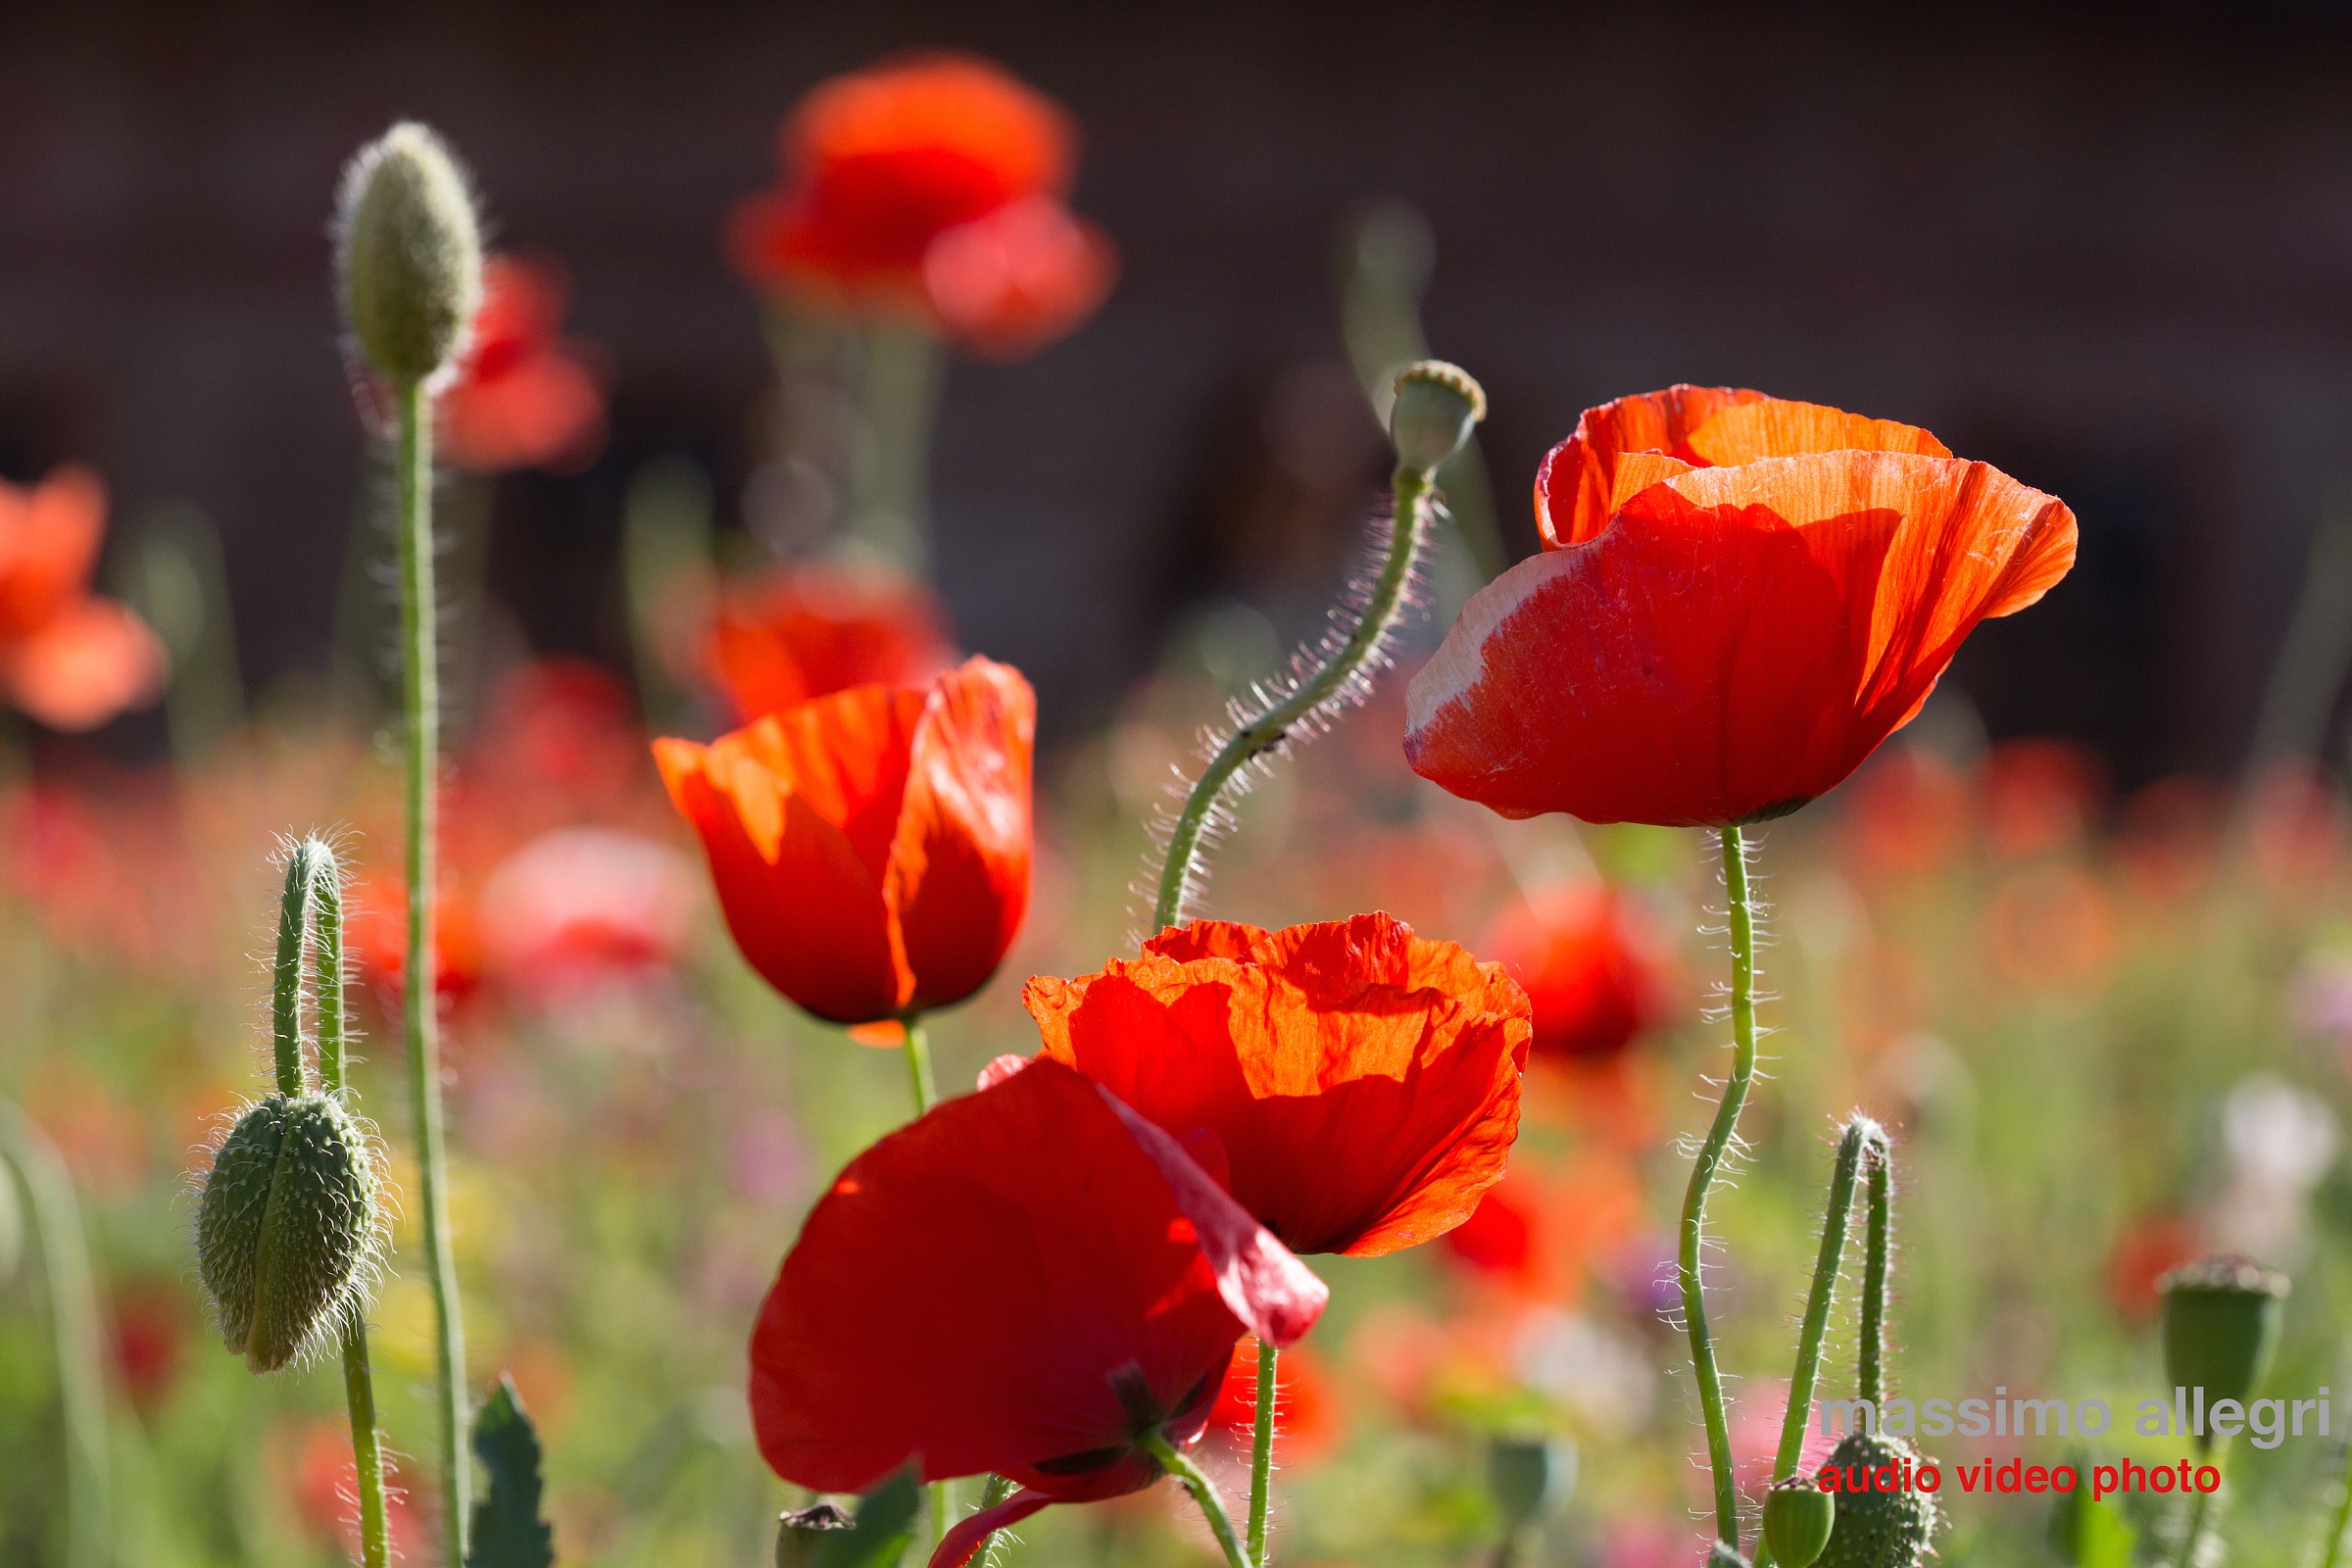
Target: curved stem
73,1322
1874,1283
285,988
366,1446
327,958
1205,1492
422,701
918,1065
1414,502
1261,1453
1702,1180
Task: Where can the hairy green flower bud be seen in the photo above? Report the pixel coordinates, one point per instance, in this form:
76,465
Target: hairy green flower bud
1878,1527
1437,403
287,1227
2221,1323
408,254
1530,1477
1797,1519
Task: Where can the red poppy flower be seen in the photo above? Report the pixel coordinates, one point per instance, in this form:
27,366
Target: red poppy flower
524,397
70,659
1363,1081
782,639
1025,1281
1593,969
1738,599
871,848
933,185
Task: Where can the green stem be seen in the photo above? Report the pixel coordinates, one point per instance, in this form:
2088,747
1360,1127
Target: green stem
327,956
1261,1453
2342,1521
73,1322
2197,1531
943,1510
285,990
1414,502
1862,1140
367,1445
918,1067
1205,1492
1874,1283
1703,1180
422,701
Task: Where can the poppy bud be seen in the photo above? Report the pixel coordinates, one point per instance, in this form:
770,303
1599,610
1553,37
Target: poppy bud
800,1532
287,1224
1530,1478
1436,405
409,253
1797,1519
2221,1323
1878,1527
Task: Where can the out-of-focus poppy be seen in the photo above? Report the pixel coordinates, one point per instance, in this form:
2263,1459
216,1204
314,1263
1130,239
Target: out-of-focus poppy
2041,795
2146,1249
69,658
1362,1082
524,396
1908,814
1739,599
871,848
2050,927
579,901
1099,1281
1593,970
376,934
1305,1420
148,1321
794,635
931,184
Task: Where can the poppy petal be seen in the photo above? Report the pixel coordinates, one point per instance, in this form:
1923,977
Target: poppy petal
49,538
974,1290
958,866
963,1543
88,662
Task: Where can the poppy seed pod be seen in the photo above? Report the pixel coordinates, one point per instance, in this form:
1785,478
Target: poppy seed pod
2221,1323
1530,1478
287,1225
1798,1517
1877,1526
408,254
1436,405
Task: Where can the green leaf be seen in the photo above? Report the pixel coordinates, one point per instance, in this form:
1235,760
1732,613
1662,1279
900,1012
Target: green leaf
2089,1533
508,1532
883,1529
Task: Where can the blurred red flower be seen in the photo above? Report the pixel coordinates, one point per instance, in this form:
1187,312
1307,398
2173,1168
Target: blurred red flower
579,903
68,657
931,184
1306,1415
1908,815
1738,599
149,1320
1362,1082
376,939
871,848
810,631
2041,795
2145,1250
1594,971
1024,1282
524,397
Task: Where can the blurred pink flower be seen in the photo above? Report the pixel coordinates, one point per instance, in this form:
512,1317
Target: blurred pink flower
579,903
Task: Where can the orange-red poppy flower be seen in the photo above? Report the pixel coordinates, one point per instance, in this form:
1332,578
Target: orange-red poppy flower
1027,1281
68,657
931,184
1593,970
783,638
1738,599
871,848
1362,1082
524,397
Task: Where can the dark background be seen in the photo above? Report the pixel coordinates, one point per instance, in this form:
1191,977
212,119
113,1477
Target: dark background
2106,247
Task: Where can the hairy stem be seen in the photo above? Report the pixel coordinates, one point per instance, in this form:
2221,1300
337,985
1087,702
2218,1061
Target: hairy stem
1261,1452
326,957
1874,1284
1703,1180
1205,1492
422,704
73,1323
1416,501
285,987
367,1445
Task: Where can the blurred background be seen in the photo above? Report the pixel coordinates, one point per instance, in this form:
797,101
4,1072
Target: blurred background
2103,246
2083,935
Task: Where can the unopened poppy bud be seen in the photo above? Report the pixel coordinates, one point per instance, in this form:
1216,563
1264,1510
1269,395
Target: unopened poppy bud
2221,1323
287,1227
800,1530
1436,405
1798,1517
1530,1478
409,253
1885,1522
